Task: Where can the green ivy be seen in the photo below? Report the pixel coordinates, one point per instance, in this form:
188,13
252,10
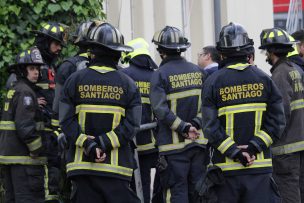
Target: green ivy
18,18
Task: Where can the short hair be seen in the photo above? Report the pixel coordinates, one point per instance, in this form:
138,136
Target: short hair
215,56
298,35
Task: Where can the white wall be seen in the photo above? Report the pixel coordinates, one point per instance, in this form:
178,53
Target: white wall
141,18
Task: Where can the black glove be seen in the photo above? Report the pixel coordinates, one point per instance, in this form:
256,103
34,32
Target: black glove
241,158
251,150
90,149
194,124
186,130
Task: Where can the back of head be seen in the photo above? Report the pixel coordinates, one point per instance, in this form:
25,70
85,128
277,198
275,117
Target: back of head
215,56
298,35
25,58
276,40
171,40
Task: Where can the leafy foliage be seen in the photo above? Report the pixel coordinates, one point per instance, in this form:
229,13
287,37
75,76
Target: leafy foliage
18,18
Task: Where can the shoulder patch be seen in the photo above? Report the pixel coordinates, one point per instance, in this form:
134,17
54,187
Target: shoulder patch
27,101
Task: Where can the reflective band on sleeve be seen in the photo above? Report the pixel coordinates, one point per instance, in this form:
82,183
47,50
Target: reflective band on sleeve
260,133
297,104
34,145
100,167
145,147
81,139
176,123
25,160
289,148
114,139
7,125
242,108
55,122
225,145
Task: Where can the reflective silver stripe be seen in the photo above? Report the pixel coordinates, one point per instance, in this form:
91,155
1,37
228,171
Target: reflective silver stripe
48,129
180,145
114,157
242,108
100,167
297,104
7,125
26,160
44,86
114,139
102,69
145,100
289,148
188,93
145,147
40,126
80,140
34,145
229,125
100,109
225,145
236,166
176,123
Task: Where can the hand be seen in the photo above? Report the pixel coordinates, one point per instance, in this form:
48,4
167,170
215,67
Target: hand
250,160
100,156
41,101
193,134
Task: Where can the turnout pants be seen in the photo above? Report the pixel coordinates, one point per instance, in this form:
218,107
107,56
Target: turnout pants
183,172
288,172
24,183
98,189
255,188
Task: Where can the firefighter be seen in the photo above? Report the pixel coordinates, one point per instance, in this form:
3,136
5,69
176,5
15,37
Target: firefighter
242,116
100,112
141,68
175,96
50,39
299,36
21,134
288,161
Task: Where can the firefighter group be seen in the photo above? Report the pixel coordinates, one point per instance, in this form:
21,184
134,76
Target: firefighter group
220,131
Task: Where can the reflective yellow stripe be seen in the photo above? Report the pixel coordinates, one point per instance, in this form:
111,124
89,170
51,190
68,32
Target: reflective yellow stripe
100,109
289,148
84,55
54,29
169,147
114,139
145,100
55,122
34,145
168,196
25,160
238,166
239,66
7,125
47,195
176,123
260,133
47,26
100,167
297,104
225,145
48,129
81,139
230,125
10,94
145,147
114,157
102,69
43,85
241,108
188,93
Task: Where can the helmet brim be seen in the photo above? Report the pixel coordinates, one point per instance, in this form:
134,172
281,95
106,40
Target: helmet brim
287,45
13,66
174,47
119,48
54,38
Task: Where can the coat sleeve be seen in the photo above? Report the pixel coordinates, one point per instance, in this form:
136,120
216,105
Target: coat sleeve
214,132
159,103
274,120
25,105
124,133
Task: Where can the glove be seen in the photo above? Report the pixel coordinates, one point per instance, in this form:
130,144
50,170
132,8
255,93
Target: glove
241,158
194,124
90,149
186,130
251,150
62,142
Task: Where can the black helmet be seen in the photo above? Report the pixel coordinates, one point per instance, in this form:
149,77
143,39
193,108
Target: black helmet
275,37
106,35
82,31
54,31
234,40
31,56
171,38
